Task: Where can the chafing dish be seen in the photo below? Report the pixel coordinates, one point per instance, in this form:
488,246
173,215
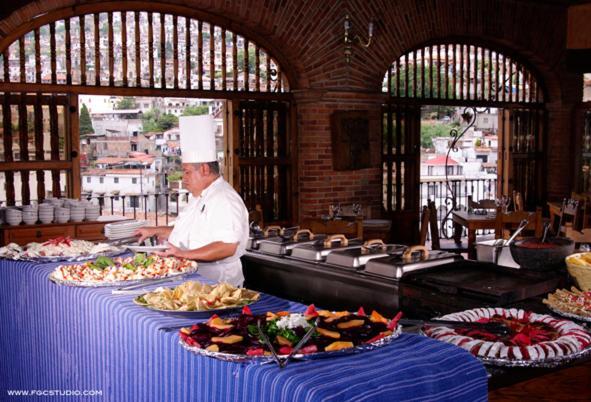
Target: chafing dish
412,259
356,258
283,245
257,234
317,251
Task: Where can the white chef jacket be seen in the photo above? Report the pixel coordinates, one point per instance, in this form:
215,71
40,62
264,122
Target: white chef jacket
218,214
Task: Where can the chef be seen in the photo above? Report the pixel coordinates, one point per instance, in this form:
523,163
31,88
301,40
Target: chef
213,227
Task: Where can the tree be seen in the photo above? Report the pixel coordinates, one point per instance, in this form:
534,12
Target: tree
85,121
431,130
196,110
126,103
175,175
154,120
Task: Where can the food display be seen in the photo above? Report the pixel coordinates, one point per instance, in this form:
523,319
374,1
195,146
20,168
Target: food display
239,338
197,296
533,339
573,303
120,270
60,248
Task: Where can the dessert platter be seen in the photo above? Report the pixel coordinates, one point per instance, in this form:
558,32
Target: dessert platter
59,249
308,335
121,271
194,299
533,340
570,303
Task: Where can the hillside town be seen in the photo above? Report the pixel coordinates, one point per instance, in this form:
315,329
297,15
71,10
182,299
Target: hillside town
130,148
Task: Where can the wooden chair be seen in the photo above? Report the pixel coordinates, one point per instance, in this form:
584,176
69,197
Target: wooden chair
442,244
517,201
256,216
506,223
351,229
585,208
570,215
425,215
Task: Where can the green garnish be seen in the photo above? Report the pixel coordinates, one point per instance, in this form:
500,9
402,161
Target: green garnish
103,262
129,266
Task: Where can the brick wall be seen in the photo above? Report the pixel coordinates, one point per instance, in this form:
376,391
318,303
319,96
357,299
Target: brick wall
306,37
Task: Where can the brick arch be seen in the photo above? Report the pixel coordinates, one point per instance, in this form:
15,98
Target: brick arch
306,36
440,68
42,28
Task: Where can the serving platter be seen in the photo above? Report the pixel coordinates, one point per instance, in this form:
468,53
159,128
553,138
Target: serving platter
95,284
569,315
194,313
242,358
534,340
146,249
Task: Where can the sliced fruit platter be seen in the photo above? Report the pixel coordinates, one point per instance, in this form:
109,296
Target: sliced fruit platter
192,298
533,340
120,271
239,339
573,304
59,249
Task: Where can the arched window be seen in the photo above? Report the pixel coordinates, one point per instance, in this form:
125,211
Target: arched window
463,72
140,49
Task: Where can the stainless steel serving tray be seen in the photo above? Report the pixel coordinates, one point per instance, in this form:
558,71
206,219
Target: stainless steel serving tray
396,266
283,246
235,358
94,284
317,251
356,258
60,258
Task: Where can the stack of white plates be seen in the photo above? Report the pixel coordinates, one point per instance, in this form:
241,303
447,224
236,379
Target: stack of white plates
77,212
14,216
30,214
92,212
122,230
46,212
62,215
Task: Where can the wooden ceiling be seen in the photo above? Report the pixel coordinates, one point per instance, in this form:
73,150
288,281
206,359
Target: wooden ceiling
7,7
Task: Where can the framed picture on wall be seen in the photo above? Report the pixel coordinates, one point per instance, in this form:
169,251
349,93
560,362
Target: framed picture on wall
350,140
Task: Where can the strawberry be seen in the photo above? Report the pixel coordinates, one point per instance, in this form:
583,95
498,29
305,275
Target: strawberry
285,350
376,338
246,310
361,312
394,321
255,352
311,312
309,349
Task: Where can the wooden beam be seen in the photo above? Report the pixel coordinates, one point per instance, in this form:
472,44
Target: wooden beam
74,147
97,51
35,165
124,46
82,19
39,154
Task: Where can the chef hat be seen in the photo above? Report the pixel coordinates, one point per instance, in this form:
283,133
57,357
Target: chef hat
197,139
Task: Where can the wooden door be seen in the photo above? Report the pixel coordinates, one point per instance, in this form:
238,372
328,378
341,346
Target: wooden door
521,154
262,159
401,169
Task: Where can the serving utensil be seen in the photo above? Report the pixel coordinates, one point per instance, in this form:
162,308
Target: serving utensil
268,344
492,327
301,343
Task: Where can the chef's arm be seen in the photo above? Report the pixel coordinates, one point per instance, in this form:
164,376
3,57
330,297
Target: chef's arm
211,252
162,232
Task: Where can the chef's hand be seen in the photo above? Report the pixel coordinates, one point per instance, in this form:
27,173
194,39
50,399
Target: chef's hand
171,251
145,233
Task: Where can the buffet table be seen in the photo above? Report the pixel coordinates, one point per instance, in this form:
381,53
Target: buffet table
62,338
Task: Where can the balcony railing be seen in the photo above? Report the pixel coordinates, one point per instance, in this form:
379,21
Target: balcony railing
437,190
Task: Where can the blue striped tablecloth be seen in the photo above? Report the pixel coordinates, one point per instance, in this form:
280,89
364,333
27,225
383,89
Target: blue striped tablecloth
64,338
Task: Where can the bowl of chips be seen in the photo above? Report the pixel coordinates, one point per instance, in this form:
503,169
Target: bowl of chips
196,299
579,267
